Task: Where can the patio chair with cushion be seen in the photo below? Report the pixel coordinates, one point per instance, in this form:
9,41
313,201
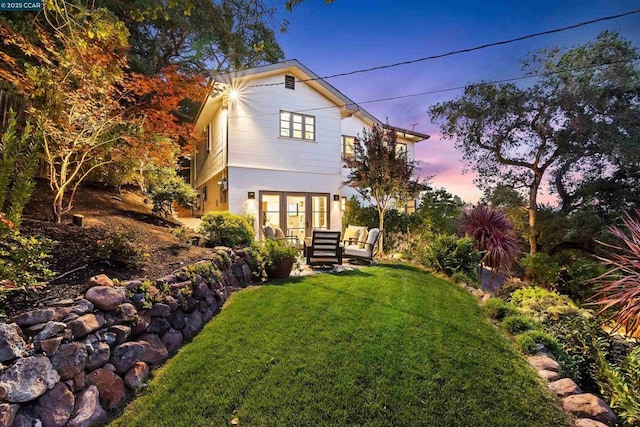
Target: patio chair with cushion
270,231
325,248
363,249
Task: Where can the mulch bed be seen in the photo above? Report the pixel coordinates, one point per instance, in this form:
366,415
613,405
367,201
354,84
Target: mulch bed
76,257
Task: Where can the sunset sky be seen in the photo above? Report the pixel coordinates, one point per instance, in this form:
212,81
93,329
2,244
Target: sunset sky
356,34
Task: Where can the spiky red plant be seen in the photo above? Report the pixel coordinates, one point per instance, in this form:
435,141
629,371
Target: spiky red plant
619,288
491,230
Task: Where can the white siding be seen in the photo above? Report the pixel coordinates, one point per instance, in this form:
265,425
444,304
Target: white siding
254,128
210,163
243,180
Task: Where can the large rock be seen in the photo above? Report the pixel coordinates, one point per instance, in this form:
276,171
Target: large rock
160,310
587,422
142,324
8,413
111,387
124,313
82,307
33,317
98,356
178,319
122,332
155,352
136,375
28,379
158,325
99,280
172,340
124,356
69,360
105,297
564,387
55,406
549,375
193,326
11,343
51,329
540,362
86,324
50,346
87,410
589,406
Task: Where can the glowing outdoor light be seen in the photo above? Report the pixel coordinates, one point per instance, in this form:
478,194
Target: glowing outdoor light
234,94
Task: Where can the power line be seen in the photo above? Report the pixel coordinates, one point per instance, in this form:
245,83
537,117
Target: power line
471,49
450,89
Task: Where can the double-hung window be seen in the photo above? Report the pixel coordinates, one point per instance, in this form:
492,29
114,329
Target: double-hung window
348,150
300,126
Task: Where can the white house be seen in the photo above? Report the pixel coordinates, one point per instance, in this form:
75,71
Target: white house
276,137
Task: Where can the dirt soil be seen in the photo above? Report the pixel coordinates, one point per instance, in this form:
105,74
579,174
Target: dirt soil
76,257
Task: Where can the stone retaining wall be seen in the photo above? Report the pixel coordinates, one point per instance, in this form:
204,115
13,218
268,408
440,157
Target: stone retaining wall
67,364
588,409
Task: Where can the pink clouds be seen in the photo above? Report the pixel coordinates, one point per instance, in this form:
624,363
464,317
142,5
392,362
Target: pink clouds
440,158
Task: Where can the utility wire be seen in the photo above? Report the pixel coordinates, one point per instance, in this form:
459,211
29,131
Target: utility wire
450,89
471,49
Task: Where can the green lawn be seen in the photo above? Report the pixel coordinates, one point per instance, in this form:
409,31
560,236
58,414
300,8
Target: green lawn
383,346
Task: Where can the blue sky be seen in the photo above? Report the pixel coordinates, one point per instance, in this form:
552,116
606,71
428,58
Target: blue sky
355,34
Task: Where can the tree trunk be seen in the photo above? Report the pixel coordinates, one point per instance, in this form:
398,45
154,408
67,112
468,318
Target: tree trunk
533,213
381,227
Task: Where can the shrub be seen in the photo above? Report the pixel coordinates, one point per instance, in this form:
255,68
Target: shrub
460,277
582,339
165,188
19,154
498,309
541,304
23,260
124,249
492,232
619,288
518,324
577,278
541,269
275,251
225,229
621,385
529,340
507,289
448,254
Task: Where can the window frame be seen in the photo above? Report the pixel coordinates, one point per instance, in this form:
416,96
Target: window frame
304,125
344,147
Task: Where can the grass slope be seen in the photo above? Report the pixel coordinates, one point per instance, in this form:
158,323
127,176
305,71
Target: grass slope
383,346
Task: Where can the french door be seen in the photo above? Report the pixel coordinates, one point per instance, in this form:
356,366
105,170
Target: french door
297,214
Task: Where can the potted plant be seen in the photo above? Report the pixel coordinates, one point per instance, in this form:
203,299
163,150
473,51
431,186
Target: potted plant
279,258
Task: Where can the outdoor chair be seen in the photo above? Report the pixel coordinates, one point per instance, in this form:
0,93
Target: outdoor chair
270,231
363,249
325,248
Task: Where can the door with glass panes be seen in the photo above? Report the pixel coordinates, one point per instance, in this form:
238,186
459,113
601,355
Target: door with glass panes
297,214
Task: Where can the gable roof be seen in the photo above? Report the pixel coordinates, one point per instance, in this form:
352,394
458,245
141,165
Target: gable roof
302,74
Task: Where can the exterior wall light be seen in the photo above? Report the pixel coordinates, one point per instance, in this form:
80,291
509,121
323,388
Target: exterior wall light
251,195
336,197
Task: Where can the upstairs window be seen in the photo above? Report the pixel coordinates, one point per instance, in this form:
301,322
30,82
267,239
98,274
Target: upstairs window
348,149
401,148
300,126
289,82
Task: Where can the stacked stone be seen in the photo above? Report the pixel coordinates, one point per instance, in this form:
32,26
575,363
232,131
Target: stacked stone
66,364
589,409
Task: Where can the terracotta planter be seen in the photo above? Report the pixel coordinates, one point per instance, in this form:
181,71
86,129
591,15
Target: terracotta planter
280,270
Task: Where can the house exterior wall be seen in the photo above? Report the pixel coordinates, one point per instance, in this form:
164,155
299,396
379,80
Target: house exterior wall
209,163
254,128
243,180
